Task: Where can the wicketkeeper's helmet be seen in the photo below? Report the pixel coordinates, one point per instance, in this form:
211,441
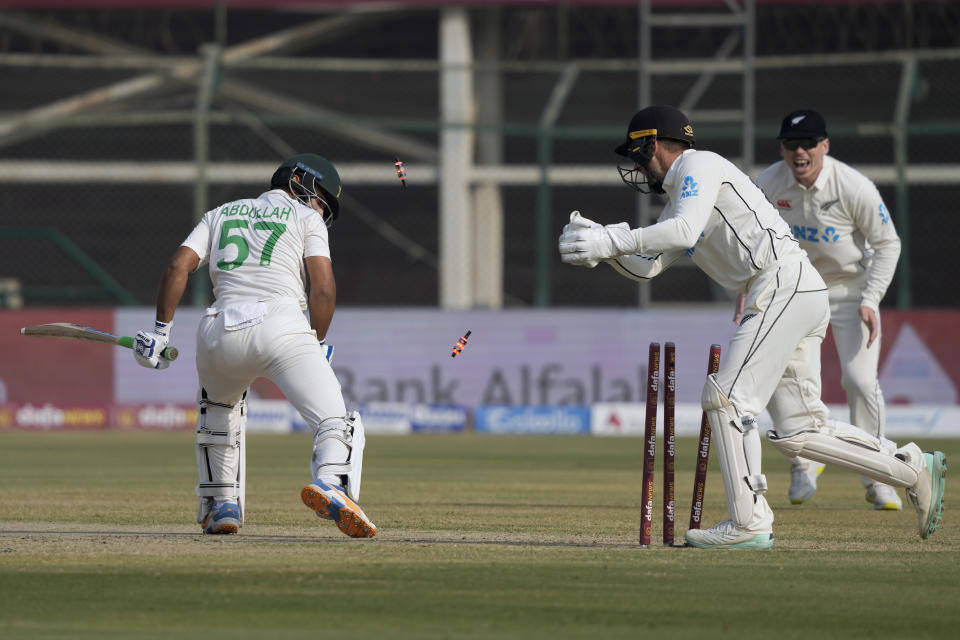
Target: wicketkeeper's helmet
659,122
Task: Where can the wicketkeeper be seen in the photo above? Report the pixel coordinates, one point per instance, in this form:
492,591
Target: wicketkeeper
717,216
269,262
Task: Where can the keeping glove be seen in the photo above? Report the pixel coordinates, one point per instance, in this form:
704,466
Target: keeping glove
148,345
586,243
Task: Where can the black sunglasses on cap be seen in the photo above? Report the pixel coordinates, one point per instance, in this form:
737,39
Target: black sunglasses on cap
806,143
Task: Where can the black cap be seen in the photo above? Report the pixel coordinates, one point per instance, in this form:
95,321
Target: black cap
803,123
660,121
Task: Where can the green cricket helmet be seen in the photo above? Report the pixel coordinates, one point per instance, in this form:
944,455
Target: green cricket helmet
317,178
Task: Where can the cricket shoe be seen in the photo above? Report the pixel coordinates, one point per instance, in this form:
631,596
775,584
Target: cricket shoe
758,534
330,501
883,497
803,481
927,494
223,518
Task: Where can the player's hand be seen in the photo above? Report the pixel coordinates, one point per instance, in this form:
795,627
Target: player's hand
584,242
738,307
580,241
148,345
869,317
327,351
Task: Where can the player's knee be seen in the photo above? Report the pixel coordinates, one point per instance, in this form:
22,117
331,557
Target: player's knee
220,423
713,397
788,444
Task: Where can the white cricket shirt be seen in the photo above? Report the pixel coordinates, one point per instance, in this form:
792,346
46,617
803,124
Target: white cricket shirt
842,224
256,247
721,219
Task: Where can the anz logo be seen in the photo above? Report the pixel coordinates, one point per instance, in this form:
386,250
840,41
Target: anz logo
689,188
884,214
690,251
812,234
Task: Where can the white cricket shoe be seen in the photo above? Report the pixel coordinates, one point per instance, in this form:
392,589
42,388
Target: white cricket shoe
758,534
883,497
803,481
927,494
331,501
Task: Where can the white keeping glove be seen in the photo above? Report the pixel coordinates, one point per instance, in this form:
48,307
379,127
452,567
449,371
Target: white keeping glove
586,243
148,345
327,351
571,238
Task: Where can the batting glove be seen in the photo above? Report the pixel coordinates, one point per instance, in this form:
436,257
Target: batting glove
327,351
148,345
586,243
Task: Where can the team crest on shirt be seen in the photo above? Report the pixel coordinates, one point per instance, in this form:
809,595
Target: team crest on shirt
690,188
784,204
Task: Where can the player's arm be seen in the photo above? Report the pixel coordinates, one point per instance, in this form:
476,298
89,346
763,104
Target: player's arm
148,345
321,293
642,267
875,223
173,282
696,191
738,307
587,243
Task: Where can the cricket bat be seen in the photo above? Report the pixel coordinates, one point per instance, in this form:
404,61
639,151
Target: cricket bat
70,331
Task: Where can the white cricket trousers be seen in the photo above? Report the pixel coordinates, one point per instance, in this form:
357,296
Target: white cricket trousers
282,348
858,366
773,359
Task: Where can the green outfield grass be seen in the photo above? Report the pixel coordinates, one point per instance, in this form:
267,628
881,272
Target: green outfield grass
480,537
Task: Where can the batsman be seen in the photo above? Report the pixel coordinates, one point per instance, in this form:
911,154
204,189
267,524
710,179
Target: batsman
719,218
269,261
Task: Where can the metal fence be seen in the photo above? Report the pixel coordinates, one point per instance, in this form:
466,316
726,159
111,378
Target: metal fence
118,152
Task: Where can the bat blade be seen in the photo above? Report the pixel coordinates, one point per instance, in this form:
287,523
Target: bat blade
71,331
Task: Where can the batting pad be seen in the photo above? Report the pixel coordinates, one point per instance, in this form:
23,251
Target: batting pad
344,456
219,453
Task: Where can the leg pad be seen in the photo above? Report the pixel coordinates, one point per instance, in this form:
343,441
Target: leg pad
850,448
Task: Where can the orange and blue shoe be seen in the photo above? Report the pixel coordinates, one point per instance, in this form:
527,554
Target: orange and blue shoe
330,501
223,518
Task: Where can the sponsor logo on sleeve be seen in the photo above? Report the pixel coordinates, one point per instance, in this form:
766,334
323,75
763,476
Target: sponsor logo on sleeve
690,188
884,214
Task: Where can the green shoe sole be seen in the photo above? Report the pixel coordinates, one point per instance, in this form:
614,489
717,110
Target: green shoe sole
937,465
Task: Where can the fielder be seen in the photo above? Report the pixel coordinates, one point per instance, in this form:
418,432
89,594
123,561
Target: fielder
719,218
269,261
838,216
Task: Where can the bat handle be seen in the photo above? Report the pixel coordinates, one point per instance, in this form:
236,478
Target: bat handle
170,353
